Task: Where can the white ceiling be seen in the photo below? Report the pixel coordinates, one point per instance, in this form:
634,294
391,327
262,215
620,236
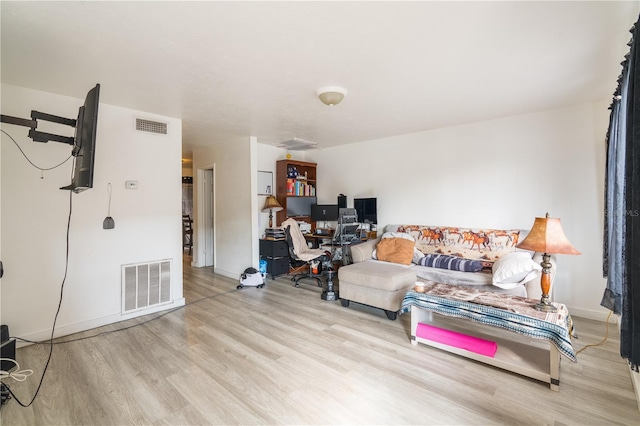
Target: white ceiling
239,69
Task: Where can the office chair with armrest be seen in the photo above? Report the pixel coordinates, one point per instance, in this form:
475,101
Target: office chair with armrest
300,255
187,233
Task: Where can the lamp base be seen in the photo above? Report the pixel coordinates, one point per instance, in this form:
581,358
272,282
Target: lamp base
545,307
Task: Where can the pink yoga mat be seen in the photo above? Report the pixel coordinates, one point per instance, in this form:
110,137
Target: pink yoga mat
459,340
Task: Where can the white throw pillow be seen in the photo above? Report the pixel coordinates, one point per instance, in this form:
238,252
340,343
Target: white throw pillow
398,235
514,269
417,255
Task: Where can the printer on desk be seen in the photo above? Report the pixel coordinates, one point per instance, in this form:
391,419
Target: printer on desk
304,227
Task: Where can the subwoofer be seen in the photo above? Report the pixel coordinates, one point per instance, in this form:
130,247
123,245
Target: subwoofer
342,201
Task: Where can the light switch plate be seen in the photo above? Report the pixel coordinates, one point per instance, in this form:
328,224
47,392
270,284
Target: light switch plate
131,184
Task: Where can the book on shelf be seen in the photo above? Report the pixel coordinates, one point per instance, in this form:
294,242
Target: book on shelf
300,188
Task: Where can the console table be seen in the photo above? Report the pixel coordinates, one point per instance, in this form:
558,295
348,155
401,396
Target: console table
514,325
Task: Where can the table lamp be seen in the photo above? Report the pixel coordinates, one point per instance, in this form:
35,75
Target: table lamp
271,205
546,236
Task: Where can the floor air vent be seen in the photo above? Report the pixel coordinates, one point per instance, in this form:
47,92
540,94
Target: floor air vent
145,285
150,126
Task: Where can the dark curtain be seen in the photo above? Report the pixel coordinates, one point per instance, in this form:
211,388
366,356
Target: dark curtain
622,207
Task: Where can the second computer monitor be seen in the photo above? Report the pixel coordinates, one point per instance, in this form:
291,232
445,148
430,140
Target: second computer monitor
324,212
367,209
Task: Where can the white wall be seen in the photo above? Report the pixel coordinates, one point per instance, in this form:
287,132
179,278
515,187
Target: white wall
234,208
34,217
187,171
499,174
267,157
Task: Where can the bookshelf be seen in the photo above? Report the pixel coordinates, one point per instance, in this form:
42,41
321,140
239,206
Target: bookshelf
302,186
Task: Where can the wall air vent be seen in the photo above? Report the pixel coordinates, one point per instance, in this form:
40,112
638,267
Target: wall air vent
297,144
145,285
151,126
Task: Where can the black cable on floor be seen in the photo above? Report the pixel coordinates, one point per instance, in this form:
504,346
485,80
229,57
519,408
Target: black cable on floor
213,296
55,319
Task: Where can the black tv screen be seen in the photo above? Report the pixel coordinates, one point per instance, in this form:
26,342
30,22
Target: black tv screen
300,206
85,143
367,209
324,212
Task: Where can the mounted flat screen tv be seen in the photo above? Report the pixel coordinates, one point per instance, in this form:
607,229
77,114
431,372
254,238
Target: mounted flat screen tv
84,145
367,209
300,206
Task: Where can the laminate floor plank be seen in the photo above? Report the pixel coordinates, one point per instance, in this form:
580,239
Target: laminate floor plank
146,377
282,355
188,415
212,400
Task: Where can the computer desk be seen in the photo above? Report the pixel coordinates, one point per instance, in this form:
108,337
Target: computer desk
316,242
316,239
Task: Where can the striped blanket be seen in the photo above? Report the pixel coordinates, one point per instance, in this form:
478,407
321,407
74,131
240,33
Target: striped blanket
508,312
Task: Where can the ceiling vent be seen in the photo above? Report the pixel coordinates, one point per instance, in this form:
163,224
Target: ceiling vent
296,144
150,126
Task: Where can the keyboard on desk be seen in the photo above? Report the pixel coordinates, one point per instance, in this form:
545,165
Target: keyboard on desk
324,232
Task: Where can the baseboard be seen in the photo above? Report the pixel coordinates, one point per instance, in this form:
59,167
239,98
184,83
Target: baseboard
219,271
228,274
598,315
94,323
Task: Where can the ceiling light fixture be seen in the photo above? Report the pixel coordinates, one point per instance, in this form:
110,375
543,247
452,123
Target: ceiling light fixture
331,95
297,144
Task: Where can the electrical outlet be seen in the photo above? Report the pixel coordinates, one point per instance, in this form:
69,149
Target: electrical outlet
131,184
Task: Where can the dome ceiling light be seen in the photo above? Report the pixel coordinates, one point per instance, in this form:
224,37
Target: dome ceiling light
331,95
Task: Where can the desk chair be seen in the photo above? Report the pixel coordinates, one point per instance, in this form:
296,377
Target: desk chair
300,255
187,233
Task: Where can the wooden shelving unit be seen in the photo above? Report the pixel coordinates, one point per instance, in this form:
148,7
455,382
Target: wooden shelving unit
284,185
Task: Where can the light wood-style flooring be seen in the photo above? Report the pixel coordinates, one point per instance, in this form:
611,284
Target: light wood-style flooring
281,355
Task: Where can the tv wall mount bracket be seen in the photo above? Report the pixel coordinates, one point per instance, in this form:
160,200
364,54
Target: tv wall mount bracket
39,136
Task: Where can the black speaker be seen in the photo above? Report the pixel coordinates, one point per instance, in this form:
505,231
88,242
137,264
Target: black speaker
342,201
7,348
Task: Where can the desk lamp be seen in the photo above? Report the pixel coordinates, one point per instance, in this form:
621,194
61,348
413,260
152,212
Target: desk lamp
546,236
271,205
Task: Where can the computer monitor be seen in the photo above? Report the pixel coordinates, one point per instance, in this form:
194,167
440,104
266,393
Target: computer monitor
367,209
324,212
300,206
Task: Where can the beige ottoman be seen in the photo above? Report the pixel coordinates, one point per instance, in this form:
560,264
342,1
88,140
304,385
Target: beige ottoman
374,283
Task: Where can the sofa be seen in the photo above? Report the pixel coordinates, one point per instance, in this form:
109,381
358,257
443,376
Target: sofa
384,268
